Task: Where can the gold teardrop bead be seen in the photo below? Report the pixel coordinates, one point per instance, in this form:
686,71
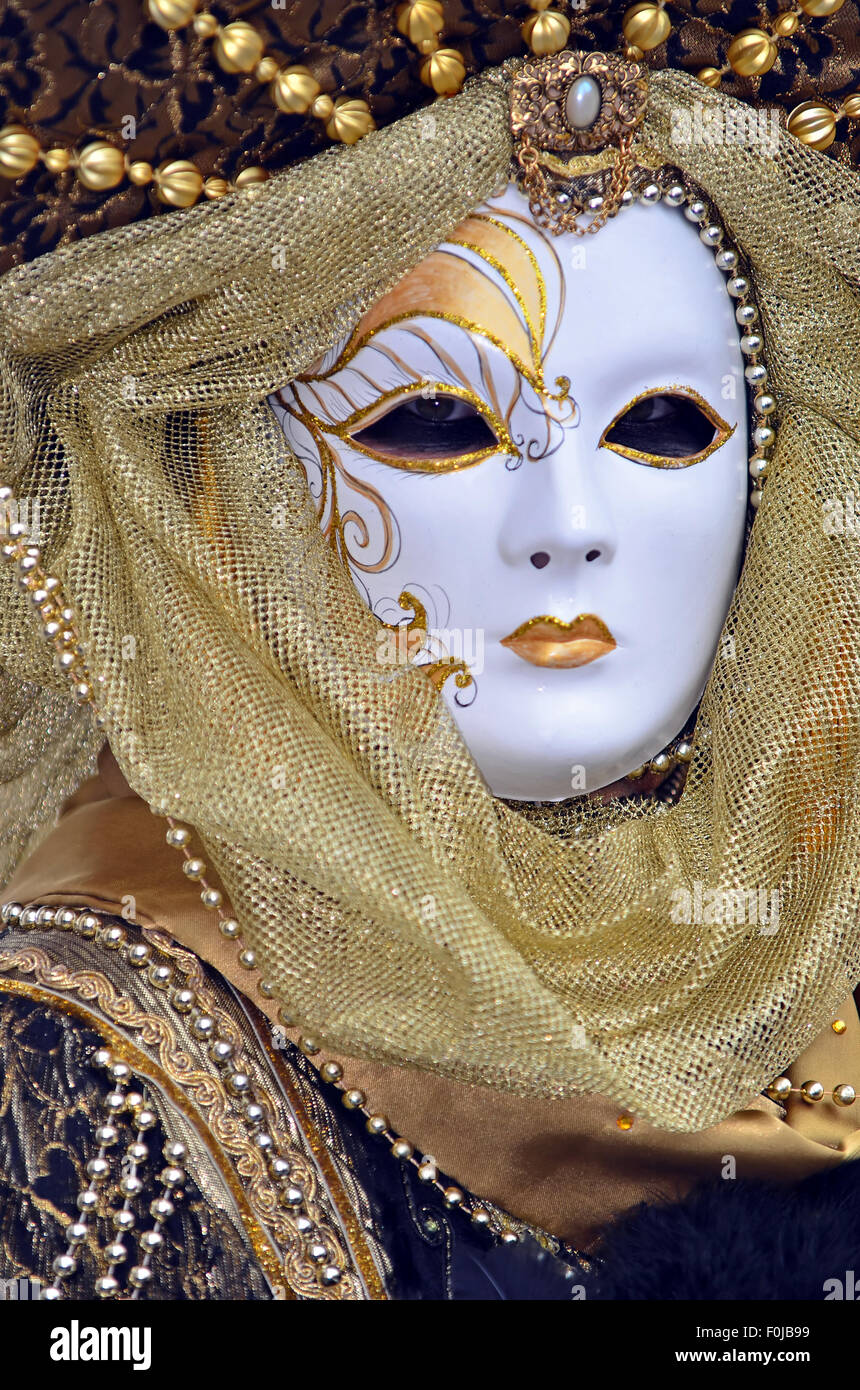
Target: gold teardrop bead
100,166
266,70
420,19
140,173
817,9
814,124
215,187
851,106
322,107
294,89
179,182
444,71
712,77
238,47
350,120
752,53
547,32
646,25
57,160
171,14
19,151
786,24
205,26
254,174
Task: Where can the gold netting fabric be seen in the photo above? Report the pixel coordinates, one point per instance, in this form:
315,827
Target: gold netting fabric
402,913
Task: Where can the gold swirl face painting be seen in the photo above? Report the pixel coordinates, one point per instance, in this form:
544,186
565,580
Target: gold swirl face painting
542,446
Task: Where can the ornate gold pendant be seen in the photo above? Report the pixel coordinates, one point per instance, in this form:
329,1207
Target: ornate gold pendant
568,105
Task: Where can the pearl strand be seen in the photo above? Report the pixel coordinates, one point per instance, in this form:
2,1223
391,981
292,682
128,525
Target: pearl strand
377,1124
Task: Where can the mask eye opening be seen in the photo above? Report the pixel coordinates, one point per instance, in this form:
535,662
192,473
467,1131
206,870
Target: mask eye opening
663,436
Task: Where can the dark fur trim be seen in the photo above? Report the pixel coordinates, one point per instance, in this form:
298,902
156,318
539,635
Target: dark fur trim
738,1240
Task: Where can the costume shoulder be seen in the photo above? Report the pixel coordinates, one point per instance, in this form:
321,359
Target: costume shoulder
87,1203
164,1140
153,1139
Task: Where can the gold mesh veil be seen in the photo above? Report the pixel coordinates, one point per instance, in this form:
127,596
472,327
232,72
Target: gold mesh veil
402,913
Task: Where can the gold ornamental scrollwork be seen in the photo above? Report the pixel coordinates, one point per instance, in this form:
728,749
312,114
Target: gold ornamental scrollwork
539,93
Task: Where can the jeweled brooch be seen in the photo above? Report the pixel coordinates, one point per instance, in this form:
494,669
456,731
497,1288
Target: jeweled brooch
572,104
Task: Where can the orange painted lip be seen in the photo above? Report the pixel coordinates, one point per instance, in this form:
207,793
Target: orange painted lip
547,641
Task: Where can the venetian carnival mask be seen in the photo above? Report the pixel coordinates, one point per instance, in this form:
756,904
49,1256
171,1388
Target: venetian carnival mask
538,450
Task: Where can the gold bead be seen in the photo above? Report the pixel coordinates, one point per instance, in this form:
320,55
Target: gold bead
712,77
205,26
100,166
812,1092
294,90
350,120
780,1089
786,24
624,1121
179,182
238,47
851,106
354,1100
19,152
647,25
171,14
249,176
817,9
444,71
428,46
140,173
547,32
420,19
57,160
322,107
814,124
633,52
839,1025
266,69
844,1095
752,53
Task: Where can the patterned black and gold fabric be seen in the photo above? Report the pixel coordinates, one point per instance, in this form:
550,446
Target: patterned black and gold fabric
367,1227
100,68
100,1040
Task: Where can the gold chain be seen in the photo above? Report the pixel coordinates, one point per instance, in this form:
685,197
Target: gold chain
545,209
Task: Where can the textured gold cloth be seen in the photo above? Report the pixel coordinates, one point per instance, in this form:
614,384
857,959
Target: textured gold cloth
563,1165
238,669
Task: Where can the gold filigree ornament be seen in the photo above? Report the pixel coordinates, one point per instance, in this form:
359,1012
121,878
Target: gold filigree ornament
574,104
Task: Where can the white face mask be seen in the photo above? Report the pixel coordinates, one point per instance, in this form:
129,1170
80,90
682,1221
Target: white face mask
537,428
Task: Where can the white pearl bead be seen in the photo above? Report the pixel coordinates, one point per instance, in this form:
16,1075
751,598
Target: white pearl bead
583,102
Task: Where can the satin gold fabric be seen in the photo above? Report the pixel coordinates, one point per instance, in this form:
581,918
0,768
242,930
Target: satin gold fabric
405,915
562,1165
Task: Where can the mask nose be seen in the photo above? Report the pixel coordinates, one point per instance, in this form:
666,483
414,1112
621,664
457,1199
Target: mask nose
558,514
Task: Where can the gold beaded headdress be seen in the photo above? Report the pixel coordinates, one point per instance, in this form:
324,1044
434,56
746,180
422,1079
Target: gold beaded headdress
115,109
171,555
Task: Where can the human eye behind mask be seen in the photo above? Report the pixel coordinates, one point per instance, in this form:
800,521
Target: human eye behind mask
667,429
436,429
